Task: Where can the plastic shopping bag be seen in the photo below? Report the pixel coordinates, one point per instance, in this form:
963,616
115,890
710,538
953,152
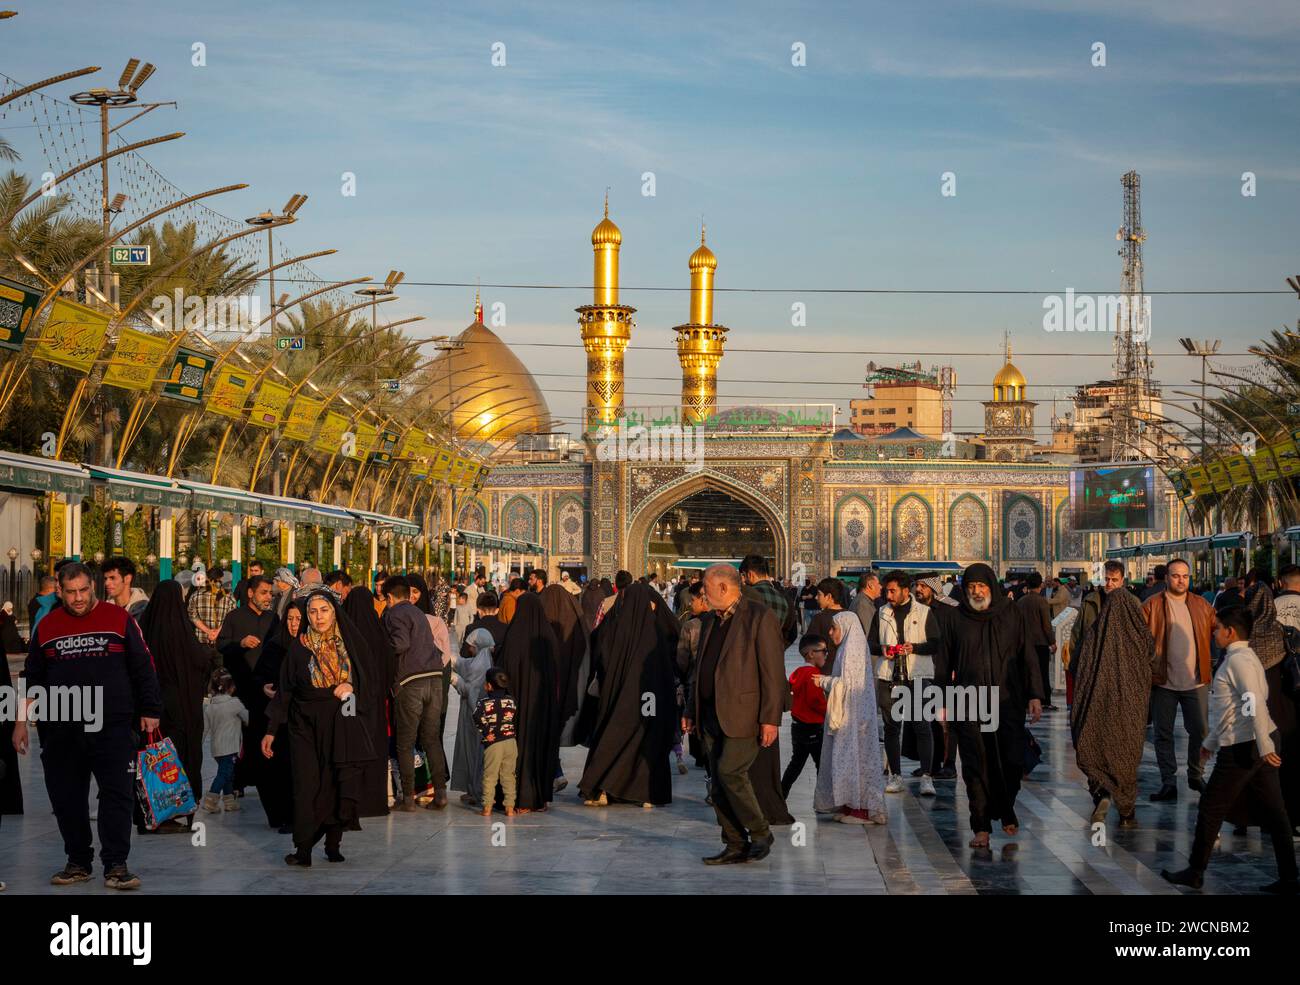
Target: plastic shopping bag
160,783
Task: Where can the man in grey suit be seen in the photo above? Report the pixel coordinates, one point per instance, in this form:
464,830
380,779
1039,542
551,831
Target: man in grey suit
735,697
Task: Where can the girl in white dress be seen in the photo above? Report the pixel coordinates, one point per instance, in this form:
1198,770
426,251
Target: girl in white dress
850,782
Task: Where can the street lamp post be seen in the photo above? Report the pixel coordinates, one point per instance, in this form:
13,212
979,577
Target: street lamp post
1203,350
124,95
451,346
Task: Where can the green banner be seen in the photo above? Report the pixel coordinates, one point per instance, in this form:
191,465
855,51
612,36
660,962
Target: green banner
188,376
17,304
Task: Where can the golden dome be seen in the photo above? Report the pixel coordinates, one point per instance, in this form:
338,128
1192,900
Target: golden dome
493,395
1008,375
703,256
605,231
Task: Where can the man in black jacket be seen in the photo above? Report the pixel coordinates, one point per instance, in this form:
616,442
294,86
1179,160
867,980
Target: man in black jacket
735,697
96,651
1037,613
417,702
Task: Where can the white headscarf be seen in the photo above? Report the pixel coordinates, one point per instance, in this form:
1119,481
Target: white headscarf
853,658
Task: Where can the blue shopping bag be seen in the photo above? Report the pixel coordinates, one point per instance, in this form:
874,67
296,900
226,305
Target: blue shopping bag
160,783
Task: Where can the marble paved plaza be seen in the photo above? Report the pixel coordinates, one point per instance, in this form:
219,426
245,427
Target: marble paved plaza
625,849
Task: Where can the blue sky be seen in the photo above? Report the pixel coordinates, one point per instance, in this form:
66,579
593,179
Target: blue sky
824,176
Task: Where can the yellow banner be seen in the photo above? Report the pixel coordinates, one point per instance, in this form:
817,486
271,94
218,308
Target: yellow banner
1265,467
367,435
441,470
1200,480
136,360
58,517
1238,470
1288,458
457,477
229,392
72,335
412,444
471,475
332,429
302,418
269,404
1219,477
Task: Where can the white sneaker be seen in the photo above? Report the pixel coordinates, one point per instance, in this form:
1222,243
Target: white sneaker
927,787
895,784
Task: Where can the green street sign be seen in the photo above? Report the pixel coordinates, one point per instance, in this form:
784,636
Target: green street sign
129,256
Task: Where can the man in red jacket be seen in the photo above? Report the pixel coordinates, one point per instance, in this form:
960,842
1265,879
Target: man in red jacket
95,650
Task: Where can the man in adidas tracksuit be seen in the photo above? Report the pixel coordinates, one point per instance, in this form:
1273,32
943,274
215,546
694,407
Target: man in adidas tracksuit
88,644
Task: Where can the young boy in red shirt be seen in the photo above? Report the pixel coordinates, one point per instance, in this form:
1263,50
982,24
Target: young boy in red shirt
808,712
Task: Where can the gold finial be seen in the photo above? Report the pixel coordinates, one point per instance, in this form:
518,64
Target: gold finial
478,305
1006,342
701,230
607,201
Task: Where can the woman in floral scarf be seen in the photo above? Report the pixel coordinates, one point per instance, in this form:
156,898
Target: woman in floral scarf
323,699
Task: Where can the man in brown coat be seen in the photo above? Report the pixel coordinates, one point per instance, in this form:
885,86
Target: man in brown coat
735,697
1181,622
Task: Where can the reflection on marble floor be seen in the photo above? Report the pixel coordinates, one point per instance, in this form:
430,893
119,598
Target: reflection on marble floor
574,849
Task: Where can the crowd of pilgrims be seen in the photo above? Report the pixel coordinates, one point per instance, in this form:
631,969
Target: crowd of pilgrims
331,701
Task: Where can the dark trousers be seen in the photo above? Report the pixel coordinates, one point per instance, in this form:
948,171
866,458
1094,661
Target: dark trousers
805,741
418,713
332,833
1045,669
69,757
224,781
894,725
1239,769
1164,706
734,802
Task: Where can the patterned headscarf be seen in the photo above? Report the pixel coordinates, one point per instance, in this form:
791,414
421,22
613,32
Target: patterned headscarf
330,664
1266,638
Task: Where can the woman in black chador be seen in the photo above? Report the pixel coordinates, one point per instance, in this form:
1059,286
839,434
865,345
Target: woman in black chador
275,778
530,657
183,670
323,699
636,716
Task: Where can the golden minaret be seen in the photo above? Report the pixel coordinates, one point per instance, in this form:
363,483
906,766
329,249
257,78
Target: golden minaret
606,328
700,341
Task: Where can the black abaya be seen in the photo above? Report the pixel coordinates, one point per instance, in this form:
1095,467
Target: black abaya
11,790
379,667
565,616
241,622
631,740
328,748
183,666
986,649
275,776
530,657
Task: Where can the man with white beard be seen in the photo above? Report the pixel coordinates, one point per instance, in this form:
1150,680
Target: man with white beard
988,648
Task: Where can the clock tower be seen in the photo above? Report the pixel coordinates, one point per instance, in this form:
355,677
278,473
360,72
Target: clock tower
1009,416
